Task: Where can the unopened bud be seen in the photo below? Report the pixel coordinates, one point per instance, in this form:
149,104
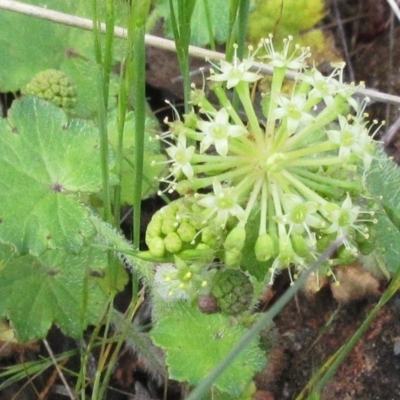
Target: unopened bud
265,247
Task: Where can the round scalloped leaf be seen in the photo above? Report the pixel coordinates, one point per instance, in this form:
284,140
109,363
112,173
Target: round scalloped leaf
55,288
46,162
195,343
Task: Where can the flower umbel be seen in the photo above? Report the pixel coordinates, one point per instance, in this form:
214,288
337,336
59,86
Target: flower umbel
287,182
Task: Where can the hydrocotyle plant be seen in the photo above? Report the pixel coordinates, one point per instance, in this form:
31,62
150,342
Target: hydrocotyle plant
293,171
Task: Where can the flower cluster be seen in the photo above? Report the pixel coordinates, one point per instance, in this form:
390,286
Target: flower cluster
293,173
182,280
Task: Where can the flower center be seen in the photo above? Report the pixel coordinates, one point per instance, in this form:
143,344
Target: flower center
299,214
235,73
347,139
181,157
224,202
219,131
293,112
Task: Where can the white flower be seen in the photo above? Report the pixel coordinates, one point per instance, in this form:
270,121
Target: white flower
301,215
341,218
235,72
352,138
181,157
223,203
218,132
292,109
295,60
323,87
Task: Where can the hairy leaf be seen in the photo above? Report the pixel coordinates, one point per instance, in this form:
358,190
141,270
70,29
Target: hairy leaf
195,343
384,182
56,287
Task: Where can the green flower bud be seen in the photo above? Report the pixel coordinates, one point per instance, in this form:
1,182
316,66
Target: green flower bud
366,240
169,225
173,242
286,251
233,258
154,227
347,255
156,246
300,246
210,235
266,247
186,232
235,239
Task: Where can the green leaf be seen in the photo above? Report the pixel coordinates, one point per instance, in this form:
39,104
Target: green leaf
383,181
56,287
154,162
46,163
219,12
288,17
195,343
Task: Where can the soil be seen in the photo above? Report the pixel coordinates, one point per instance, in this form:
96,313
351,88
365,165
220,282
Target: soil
312,327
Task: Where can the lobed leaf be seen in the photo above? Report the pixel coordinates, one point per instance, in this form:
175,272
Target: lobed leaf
56,287
195,343
46,164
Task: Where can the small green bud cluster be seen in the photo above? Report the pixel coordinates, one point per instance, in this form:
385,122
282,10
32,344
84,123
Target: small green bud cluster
295,173
233,290
55,86
181,226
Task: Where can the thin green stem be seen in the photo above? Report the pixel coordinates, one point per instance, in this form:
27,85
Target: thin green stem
181,21
108,47
302,188
264,209
140,11
312,149
220,92
276,85
242,89
204,182
215,167
276,198
312,162
346,185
